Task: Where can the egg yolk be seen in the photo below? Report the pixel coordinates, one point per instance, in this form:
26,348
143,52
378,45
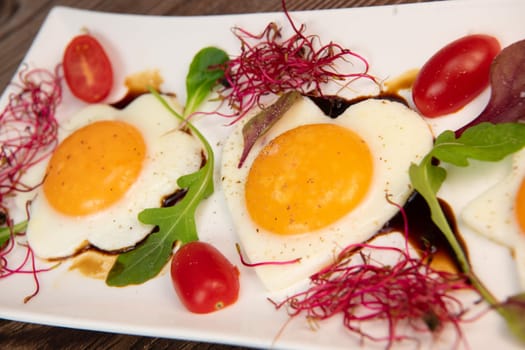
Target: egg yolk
520,206
308,178
93,167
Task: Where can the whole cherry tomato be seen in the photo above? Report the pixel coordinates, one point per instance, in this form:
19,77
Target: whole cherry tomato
87,69
455,75
203,278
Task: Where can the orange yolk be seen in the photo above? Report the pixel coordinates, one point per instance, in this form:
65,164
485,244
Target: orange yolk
308,178
520,206
93,167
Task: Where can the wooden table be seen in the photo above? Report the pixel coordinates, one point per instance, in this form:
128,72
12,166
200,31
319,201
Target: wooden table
19,23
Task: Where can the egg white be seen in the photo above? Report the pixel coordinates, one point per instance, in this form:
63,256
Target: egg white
170,153
492,213
396,137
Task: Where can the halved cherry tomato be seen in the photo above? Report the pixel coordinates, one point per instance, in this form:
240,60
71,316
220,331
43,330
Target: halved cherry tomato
87,69
203,278
455,75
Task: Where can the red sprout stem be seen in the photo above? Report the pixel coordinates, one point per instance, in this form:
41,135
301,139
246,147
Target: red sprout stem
407,292
28,134
35,276
21,268
263,263
268,64
28,128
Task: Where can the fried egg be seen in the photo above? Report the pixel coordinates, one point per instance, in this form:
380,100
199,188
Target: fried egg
313,185
499,212
109,165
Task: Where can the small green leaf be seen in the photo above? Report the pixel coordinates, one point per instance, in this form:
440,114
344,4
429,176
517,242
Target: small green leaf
205,71
5,232
427,179
485,142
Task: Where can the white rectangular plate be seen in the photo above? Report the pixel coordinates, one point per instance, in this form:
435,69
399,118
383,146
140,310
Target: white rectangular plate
393,38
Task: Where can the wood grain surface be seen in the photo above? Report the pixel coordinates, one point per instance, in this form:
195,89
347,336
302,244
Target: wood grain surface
20,20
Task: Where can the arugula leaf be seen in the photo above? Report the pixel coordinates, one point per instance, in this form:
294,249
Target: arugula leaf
175,223
427,180
485,142
205,71
178,222
5,232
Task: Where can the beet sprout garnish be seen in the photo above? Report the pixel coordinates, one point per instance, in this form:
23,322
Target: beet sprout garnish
262,263
29,258
28,134
28,128
408,292
269,64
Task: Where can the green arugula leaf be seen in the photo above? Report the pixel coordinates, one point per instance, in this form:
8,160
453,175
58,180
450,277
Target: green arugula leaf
427,179
485,142
178,221
5,232
175,223
205,71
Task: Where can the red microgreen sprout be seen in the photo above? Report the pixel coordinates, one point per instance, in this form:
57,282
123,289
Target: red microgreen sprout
28,127
408,292
29,258
263,263
269,64
28,133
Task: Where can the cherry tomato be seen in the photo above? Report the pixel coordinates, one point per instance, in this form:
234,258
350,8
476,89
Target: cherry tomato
203,278
455,75
87,69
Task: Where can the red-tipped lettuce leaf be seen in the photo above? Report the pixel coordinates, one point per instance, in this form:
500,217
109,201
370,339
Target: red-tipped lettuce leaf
262,122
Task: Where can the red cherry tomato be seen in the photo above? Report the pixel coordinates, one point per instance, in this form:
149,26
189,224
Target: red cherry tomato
455,75
203,278
87,69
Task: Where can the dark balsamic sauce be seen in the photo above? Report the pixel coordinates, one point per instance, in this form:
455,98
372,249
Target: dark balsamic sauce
174,198
139,84
131,96
127,99
3,218
333,106
424,235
